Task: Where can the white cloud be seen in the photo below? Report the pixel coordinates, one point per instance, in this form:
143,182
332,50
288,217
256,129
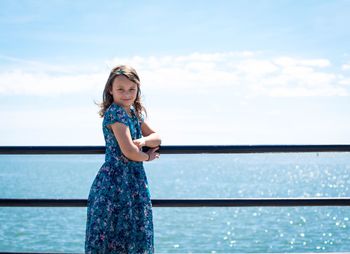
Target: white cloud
43,84
247,74
289,61
255,67
221,98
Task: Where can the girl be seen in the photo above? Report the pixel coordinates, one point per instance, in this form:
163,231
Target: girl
119,209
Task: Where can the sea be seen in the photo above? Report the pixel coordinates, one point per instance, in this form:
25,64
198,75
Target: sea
187,229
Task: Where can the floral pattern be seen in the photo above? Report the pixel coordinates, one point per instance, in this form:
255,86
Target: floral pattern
119,210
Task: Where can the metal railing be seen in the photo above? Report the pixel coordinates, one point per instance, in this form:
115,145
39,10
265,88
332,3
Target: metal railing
191,149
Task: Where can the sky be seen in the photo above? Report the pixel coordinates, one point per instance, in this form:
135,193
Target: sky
212,72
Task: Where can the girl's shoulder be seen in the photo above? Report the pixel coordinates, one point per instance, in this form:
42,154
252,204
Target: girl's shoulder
114,107
115,113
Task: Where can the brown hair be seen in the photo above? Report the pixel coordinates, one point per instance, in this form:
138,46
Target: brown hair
107,98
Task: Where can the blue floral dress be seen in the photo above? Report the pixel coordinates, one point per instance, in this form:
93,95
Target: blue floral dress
119,209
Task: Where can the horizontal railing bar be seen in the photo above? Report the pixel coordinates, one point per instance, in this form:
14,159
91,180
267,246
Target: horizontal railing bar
82,253
203,202
184,149
39,253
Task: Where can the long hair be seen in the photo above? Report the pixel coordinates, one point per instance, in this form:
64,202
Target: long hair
107,98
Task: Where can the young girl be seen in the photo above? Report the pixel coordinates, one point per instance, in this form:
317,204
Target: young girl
119,210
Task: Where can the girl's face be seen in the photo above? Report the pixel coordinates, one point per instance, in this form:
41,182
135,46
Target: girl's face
124,91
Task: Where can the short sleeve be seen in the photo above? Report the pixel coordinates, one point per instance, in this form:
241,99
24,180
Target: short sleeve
116,113
142,117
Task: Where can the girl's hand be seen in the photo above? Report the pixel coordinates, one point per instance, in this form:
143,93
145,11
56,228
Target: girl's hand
140,142
153,154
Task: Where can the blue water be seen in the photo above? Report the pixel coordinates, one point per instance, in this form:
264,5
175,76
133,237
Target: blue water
187,230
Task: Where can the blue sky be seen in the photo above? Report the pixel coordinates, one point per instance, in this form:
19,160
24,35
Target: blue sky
212,72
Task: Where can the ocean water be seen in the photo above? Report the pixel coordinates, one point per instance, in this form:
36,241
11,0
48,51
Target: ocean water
187,230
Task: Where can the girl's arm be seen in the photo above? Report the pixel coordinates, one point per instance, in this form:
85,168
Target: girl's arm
124,139
152,139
